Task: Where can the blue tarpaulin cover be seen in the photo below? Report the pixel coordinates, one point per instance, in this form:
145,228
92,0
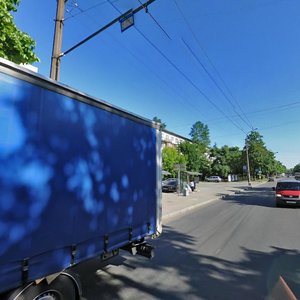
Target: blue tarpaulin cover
71,173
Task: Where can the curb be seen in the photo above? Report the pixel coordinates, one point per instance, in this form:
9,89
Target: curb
185,210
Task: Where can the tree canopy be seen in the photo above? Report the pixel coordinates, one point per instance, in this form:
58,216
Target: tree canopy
200,134
15,45
157,120
171,156
297,168
262,160
225,160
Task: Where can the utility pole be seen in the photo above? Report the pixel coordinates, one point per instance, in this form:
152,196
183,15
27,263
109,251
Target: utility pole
125,19
248,164
247,154
56,50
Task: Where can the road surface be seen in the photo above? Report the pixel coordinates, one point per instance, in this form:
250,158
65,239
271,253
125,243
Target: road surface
234,248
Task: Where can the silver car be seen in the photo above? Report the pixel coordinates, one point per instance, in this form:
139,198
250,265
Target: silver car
213,179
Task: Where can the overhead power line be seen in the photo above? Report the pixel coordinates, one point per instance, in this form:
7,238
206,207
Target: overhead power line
106,26
83,11
188,79
215,82
156,22
148,12
212,64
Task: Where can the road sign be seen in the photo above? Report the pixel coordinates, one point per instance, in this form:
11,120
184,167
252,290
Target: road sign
179,167
127,21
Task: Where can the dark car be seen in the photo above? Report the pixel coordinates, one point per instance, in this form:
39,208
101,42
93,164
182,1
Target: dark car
287,192
170,185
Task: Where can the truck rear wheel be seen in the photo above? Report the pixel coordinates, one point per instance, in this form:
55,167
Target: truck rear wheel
63,287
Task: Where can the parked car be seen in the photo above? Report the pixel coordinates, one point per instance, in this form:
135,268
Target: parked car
170,185
287,192
213,179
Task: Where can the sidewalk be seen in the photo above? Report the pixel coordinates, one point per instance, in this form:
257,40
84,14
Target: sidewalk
174,205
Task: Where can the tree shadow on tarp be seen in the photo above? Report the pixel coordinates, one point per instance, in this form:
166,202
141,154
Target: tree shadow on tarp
258,196
195,276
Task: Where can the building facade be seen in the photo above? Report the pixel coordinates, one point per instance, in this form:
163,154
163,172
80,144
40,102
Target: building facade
171,139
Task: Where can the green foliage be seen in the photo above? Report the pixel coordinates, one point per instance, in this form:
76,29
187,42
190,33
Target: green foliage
15,45
226,160
262,161
200,134
171,156
297,168
196,156
157,120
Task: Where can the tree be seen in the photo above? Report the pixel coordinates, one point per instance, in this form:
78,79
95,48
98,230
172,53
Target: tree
197,159
171,156
226,160
157,120
15,45
200,134
262,161
297,168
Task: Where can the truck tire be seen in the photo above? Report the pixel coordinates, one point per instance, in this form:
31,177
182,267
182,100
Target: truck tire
62,288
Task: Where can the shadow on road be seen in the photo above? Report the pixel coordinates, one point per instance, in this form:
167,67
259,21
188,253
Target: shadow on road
259,196
196,276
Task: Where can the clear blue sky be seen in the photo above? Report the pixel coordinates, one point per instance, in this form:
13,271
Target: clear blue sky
233,65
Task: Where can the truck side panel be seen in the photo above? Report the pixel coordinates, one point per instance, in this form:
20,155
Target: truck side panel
74,179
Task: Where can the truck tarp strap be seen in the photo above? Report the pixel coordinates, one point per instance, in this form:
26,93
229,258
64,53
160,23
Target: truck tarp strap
105,243
25,268
130,234
73,253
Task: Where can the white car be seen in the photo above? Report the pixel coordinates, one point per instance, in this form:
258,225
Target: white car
213,179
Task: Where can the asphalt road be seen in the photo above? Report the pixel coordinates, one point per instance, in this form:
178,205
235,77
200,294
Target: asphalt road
234,248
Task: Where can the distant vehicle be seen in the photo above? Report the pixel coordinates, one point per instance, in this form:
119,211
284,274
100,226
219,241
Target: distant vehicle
297,175
213,179
271,179
287,192
170,185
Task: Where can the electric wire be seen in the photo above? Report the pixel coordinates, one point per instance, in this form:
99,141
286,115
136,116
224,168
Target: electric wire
245,119
213,80
82,11
184,98
177,93
156,22
188,79
182,73
273,109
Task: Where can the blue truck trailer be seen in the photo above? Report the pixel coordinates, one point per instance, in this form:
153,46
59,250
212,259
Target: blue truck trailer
79,178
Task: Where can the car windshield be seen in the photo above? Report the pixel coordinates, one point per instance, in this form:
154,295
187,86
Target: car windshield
291,186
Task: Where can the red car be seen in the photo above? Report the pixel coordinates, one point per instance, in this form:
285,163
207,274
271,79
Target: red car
287,192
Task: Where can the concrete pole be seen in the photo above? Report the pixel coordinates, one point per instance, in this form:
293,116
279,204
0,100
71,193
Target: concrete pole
57,42
248,165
